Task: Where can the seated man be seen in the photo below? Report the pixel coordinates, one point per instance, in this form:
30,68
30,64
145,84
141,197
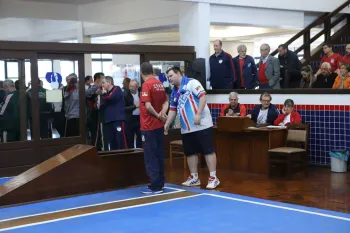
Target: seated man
233,108
326,77
288,116
264,113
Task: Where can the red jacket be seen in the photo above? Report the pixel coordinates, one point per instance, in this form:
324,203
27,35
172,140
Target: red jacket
294,118
239,109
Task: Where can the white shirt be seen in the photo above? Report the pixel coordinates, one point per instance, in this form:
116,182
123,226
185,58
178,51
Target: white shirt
136,101
286,119
262,116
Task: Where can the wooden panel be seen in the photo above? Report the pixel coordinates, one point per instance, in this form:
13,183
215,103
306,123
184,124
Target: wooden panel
247,151
75,171
49,151
13,171
13,158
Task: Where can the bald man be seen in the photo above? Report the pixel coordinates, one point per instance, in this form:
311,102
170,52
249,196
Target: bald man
234,108
326,77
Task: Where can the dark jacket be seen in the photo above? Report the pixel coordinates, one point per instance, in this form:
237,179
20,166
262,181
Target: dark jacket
325,82
129,104
9,112
249,71
113,103
292,64
222,71
272,114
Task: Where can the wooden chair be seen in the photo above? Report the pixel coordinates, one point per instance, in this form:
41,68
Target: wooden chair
177,148
294,156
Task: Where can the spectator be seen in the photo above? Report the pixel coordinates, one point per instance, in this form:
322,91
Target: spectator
308,77
71,106
88,82
222,71
343,79
245,69
269,69
264,113
233,108
290,63
288,116
326,77
346,58
332,58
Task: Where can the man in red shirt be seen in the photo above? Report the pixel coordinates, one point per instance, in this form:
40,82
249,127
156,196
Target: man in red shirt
346,58
233,108
330,57
153,107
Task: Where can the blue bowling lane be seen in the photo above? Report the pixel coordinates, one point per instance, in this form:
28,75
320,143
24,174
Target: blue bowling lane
202,214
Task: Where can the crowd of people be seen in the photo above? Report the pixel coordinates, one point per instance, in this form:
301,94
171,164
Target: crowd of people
286,71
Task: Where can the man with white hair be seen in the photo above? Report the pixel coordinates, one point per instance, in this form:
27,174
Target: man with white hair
234,108
269,69
326,77
245,69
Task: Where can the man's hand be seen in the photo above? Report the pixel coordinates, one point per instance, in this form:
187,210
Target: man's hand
249,116
162,116
230,112
137,105
283,111
281,124
197,119
166,128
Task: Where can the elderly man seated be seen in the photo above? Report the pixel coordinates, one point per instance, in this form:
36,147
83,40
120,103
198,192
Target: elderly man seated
233,108
326,77
264,113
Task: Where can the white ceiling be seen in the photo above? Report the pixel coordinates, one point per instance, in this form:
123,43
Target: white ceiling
75,2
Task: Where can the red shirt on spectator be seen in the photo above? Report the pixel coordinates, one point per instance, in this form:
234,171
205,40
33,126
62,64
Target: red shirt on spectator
334,60
241,109
153,92
241,63
294,118
262,77
345,59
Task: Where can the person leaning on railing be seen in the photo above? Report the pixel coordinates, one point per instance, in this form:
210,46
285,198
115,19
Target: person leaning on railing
343,79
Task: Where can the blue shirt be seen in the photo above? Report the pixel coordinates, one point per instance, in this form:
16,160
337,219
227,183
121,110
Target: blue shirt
113,102
185,100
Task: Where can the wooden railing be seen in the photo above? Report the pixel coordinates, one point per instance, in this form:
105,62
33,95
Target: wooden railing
324,19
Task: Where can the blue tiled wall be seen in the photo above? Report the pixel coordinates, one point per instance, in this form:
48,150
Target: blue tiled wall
328,130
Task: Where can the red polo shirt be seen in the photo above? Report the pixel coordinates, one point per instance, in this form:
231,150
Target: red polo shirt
345,59
153,92
334,60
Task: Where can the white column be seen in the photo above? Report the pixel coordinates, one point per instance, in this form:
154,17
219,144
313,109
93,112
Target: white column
85,39
194,22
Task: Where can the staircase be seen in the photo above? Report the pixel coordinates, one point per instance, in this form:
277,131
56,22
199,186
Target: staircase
327,21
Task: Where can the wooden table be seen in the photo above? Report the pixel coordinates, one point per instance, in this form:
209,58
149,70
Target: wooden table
245,149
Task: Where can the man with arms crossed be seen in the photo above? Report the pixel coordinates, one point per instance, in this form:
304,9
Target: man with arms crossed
153,107
189,100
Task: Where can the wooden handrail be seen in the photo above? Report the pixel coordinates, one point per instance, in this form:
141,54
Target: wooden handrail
322,19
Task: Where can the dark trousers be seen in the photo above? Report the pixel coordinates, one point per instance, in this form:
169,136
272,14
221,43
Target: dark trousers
44,127
116,135
132,128
72,128
153,146
59,121
92,127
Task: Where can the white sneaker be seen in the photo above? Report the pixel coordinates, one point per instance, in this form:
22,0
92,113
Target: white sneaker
213,182
191,181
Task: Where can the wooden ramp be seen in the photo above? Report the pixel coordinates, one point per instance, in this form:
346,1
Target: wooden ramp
77,170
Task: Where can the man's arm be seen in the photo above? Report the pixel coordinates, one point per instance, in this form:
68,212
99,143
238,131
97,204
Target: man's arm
151,110
115,95
91,91
276,72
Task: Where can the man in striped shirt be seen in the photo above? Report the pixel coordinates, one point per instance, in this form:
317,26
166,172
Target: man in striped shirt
188,99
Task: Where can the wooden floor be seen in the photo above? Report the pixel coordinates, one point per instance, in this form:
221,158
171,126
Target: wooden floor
321,189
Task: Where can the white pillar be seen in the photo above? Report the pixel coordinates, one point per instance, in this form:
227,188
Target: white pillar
85,39
194,22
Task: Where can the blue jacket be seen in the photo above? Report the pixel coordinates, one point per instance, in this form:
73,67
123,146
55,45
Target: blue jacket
113,103
272,114
222,71
249,70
